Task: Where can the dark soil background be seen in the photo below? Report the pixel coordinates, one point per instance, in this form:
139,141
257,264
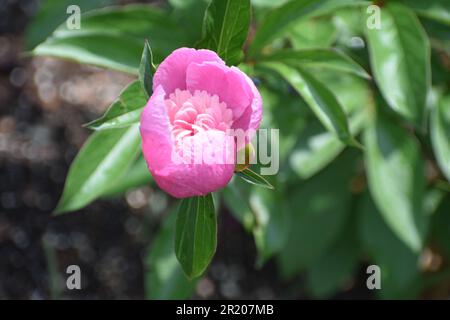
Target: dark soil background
43,104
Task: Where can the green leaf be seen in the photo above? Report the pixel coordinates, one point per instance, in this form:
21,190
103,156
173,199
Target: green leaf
438,10
124,111
189,13
182,4
147,69
136,176
319,98
320,207
196,234
397,262
441,227
102,160
440,135
254,178
312,33
395,172
317,148
400,59
164,278
51,14
335,268
113,37
318,58
267,3
292,120
278,19
225,28
354,93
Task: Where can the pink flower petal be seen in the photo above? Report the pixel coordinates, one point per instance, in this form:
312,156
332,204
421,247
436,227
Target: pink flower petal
251,118
171,73
184,138
229,84
188,180
179,178
155,131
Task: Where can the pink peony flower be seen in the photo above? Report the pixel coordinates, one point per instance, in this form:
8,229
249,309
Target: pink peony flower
185,125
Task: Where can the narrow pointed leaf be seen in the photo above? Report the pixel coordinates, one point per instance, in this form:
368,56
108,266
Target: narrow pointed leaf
196,234
278,19
396,177
112,37
400,59
123,112
102,160
254,178
319,98
136,176
225,28
316,148
147,69
320,59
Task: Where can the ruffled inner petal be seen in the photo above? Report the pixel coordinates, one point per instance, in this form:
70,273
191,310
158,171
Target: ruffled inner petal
185,143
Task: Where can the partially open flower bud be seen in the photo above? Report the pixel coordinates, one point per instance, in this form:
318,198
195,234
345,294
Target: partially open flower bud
244,157
185,125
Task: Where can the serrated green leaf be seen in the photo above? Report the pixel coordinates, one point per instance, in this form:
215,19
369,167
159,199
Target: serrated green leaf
396,177
400,59
225,28
278,19
112,37
318,58
440,135
147,69
164,278
196,234
102,160
254,178
124,111
319,98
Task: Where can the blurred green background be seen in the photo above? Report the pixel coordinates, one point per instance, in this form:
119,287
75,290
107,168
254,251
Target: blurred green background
327,80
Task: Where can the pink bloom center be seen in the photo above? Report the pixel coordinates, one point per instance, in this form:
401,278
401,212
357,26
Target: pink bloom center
193,113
